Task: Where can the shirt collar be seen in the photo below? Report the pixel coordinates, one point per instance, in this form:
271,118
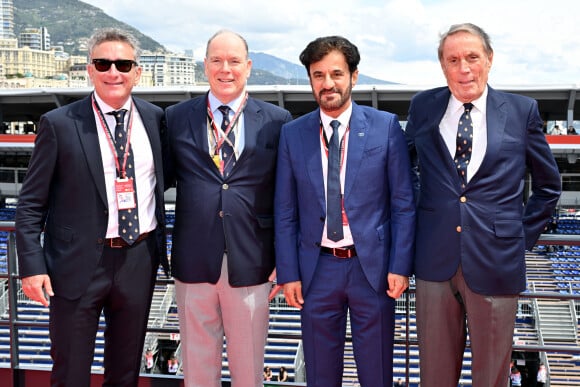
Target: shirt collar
106,108
479,104
344,118
215,103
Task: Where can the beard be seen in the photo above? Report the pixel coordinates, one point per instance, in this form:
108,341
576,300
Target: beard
334,99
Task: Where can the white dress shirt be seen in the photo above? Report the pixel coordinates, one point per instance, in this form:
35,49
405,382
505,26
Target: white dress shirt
448,130
144,169
239,131
344,120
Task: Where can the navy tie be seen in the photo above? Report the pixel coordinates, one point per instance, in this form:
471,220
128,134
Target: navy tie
129,218
333,194
464,142
228,154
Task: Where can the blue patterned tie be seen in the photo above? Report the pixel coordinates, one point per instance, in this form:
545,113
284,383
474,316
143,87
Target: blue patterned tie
128,219
228,154
333,194
464,142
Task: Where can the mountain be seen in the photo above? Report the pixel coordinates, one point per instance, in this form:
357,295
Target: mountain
71,22
266,70
295,74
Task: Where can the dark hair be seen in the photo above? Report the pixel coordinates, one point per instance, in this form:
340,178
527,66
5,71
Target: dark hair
469,28
319,48
114,35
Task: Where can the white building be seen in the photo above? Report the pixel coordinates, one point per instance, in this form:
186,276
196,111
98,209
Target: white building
6,19
169,69
35,38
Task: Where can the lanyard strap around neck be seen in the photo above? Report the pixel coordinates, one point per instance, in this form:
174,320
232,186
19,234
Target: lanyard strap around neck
121,169
341,143
221,136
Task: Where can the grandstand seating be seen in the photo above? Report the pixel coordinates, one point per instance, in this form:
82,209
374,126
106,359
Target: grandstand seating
555,269
550,269
279,351
6,214
34,342
568,225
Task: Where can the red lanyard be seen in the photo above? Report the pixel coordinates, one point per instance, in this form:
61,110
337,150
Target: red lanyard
121,169
220,139
341,146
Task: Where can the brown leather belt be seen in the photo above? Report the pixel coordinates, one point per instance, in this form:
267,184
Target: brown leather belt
340,252
119,243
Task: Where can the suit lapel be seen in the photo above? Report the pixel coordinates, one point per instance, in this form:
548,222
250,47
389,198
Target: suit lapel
357,140
310,135
197,124
252,123
87,132
496,117
152,128
440,102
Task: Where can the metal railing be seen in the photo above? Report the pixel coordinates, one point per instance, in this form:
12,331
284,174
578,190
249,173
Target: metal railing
10,296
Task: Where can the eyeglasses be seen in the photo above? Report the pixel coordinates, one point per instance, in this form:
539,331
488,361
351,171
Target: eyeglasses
122,65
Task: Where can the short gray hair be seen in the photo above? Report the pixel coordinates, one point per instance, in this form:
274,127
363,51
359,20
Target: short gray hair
114,35
471,29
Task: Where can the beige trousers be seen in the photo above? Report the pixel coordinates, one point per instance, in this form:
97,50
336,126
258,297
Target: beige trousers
207,314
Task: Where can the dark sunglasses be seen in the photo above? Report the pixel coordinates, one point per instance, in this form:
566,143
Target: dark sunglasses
122,65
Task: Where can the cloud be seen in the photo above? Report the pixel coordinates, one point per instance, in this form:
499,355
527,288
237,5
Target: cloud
535,42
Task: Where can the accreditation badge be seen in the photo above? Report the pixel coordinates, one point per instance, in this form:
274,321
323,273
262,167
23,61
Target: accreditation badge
125,194
217,161
344,217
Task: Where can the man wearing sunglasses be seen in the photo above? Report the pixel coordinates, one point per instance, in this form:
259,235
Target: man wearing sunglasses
95,188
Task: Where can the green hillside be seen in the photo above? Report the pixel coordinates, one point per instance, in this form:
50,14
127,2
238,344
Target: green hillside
69,21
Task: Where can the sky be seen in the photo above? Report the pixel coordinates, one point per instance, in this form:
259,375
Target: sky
535,42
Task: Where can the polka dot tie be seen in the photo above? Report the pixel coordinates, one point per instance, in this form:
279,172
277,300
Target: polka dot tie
228,154
128,219
464,143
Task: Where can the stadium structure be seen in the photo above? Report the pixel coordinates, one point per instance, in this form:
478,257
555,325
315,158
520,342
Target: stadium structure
547,320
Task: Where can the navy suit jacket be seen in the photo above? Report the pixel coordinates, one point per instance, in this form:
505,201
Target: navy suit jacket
378,197
484,227
64,194
214,214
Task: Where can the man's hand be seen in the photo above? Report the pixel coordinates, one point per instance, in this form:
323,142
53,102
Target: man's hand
397,285
274,291
293,294
272,276
275,288
35,286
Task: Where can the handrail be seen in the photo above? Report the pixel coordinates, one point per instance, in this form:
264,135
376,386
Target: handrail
543,357
14,322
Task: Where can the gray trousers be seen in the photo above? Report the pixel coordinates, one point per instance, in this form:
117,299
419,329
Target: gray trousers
446,312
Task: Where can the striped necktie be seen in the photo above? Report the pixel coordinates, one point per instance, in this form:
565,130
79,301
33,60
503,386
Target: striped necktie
228,154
